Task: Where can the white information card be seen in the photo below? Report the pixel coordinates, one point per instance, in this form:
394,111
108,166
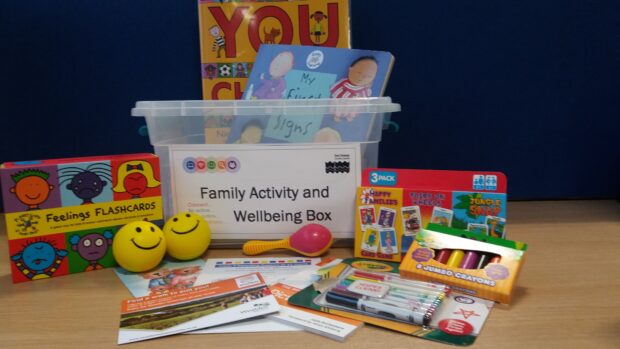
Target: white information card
267,191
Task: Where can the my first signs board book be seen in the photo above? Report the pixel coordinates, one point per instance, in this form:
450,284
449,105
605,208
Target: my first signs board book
232,32
309,72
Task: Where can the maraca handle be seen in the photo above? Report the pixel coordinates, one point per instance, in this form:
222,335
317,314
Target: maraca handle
255,247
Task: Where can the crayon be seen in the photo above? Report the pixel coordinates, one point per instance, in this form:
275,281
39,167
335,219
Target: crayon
495,259
455,258
443,255
483,261
470,260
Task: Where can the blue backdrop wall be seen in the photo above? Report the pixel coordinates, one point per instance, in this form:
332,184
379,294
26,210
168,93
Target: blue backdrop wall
528,88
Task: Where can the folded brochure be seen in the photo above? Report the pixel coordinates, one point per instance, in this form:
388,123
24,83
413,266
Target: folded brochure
195,308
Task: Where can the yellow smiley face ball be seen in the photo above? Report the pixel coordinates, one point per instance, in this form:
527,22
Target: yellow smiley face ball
187,236
139,246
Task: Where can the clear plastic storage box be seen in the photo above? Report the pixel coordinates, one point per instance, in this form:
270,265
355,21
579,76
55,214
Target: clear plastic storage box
271,123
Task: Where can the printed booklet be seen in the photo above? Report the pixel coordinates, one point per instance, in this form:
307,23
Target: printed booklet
195,308
310,72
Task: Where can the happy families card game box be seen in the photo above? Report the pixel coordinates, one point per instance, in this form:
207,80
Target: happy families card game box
393,205
62,214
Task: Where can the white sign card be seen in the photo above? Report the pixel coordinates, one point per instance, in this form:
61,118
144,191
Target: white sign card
267,191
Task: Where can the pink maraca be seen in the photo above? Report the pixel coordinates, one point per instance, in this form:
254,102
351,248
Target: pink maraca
310,240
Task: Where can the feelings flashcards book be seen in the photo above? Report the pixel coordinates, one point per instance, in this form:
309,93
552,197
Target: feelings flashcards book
310,72
232,31
195,308
62,214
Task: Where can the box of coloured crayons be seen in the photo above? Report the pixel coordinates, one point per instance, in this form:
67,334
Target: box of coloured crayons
481,266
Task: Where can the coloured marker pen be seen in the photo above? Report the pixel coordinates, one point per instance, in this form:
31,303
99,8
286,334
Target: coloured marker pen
413,292
378,308
396,281
420,295
413,302
385,301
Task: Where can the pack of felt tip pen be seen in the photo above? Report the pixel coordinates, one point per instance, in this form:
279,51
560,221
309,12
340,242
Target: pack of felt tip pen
481,266
385,296
373,292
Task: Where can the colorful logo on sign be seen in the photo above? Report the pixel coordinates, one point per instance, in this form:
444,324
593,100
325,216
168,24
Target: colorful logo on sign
211,164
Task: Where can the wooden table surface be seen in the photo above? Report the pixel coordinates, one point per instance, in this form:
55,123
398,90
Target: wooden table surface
568,295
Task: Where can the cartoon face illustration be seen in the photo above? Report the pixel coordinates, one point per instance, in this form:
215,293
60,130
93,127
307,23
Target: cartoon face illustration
92,247
189,270
252,133
156,274
187,236
139,246
38,259
281,65
215,31
135,177
85,183
211,71
31,187
327,135
318,16
362,72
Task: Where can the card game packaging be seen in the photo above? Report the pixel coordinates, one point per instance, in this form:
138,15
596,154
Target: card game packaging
393,205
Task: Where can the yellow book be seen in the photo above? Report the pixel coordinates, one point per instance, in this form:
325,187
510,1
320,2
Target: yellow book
231,33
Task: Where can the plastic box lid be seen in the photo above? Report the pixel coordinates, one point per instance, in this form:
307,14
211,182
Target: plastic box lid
373,105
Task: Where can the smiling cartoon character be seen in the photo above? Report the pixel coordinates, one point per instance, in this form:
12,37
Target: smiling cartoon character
31,187
184,277
92,247
38,260
139,246
361,75
187,236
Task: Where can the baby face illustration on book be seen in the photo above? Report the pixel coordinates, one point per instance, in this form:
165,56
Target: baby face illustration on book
274,87
310,72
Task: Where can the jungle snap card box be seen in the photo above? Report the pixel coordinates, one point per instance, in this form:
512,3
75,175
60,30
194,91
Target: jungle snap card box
61,215
393,205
